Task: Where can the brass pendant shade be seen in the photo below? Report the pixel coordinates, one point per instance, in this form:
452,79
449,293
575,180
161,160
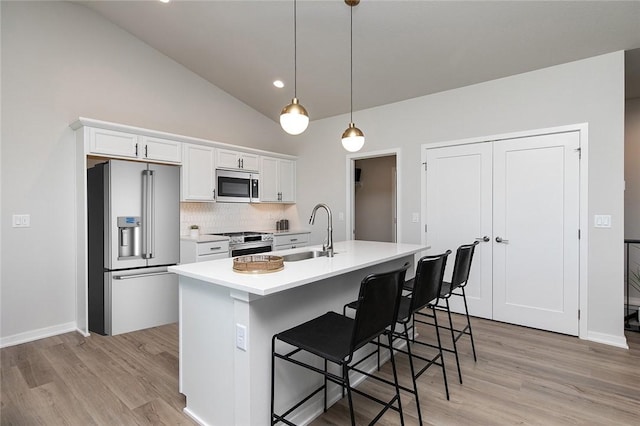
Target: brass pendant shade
294,118
352,138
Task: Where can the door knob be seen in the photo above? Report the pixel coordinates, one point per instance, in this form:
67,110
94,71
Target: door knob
500,240
483,239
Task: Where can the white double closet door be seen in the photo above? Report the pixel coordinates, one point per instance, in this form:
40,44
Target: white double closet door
520,199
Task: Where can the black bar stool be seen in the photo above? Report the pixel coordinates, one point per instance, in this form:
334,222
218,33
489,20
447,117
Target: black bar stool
423,299
335,338
459,278
427,284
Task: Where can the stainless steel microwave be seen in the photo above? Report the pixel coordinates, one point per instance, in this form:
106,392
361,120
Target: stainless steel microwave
237,186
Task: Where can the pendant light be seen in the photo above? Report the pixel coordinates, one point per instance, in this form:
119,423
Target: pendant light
352,138
294,118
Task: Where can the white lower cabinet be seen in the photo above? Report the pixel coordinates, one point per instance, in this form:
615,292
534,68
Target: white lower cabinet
290,241
198,173
192,251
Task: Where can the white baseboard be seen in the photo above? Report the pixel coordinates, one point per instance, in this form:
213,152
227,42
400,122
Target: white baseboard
608,339
30,336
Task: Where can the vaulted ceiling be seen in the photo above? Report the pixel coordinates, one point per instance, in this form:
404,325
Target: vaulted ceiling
401,49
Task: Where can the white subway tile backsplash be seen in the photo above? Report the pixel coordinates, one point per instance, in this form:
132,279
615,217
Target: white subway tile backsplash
230,217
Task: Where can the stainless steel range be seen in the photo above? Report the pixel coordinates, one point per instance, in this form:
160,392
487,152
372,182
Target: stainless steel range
250,242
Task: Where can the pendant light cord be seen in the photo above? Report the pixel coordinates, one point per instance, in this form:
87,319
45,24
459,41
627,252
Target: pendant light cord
295,50
351,55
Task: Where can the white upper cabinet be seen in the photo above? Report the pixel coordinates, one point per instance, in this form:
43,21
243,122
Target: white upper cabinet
111,142
114,143
228,159
160,149
198,173
277,180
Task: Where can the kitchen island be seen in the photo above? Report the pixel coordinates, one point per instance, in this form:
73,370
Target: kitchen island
227,320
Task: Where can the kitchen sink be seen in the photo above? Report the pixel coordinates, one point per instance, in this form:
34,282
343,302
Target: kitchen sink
294,257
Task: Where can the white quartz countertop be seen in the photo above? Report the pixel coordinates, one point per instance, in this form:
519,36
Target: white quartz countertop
350,256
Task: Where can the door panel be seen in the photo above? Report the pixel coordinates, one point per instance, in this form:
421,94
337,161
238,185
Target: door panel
536,209
458,211
124,181
166,215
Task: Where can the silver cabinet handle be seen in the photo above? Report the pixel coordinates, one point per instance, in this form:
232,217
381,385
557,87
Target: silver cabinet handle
215,248
500,240
484,239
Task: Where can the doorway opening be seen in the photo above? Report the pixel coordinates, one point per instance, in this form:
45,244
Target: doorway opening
372,196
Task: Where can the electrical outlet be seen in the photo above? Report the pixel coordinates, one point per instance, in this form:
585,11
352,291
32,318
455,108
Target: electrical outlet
415,217
241,337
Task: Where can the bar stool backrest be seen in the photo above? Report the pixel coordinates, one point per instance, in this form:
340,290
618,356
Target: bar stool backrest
428,280
377,305
462,265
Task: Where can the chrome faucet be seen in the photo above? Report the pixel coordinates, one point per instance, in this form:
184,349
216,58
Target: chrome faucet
329,246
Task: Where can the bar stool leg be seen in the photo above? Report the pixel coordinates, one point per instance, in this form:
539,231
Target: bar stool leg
273,366
473,346
395,378
453,339
413,374
345,375
444,370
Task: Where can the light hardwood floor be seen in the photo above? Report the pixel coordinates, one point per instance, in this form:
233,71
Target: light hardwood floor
522,376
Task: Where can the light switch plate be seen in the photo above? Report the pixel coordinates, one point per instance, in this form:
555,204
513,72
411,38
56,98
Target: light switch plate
602,221
21,220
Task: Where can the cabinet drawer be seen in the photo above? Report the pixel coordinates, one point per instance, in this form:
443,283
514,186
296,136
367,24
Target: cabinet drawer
296,239
212,247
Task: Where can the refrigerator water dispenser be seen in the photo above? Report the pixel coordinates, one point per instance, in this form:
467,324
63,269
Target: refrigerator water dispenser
129,237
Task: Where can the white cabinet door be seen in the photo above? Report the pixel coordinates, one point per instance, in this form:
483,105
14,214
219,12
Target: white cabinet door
229,159
287,181
250,162
113,143
458,210
160,149
277,180
524,193
536,214
269,187
198,173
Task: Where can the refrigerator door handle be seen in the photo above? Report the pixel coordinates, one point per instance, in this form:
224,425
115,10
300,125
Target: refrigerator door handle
147,204
150,274
152,214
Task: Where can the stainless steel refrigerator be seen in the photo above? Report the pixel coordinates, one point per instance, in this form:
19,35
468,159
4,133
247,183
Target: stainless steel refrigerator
133,235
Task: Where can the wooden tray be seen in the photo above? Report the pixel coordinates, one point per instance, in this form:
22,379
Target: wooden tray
258,264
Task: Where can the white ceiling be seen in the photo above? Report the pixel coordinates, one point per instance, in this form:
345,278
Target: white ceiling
402,49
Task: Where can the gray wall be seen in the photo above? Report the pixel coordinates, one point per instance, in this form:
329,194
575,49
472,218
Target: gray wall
61,61
632,186
588,91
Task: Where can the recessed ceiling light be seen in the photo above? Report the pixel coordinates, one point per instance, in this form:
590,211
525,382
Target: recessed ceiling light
279,84
165,1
